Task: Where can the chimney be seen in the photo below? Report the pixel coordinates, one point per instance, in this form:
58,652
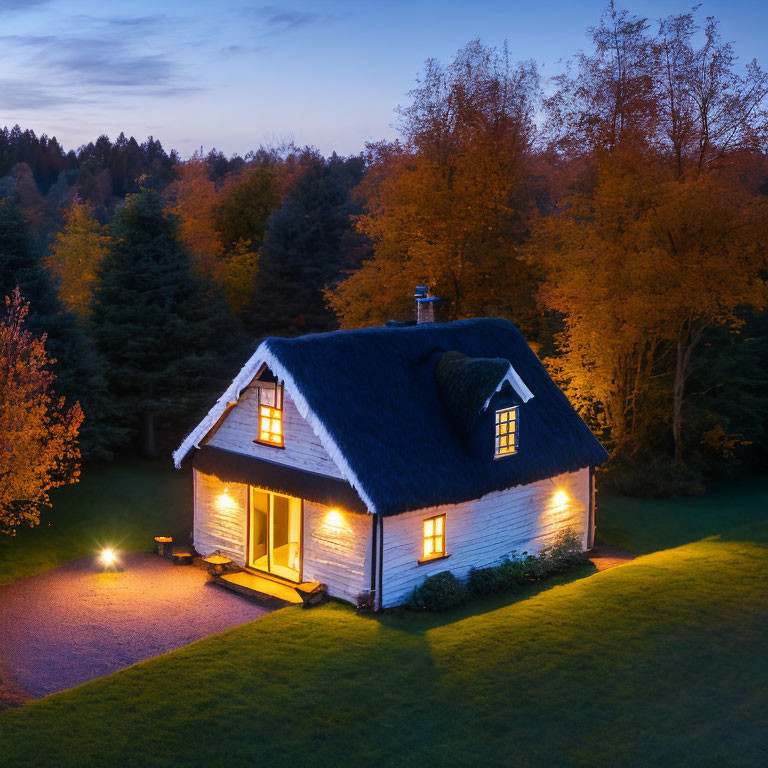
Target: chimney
425,305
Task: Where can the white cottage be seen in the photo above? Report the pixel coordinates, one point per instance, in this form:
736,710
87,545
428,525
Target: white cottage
369,459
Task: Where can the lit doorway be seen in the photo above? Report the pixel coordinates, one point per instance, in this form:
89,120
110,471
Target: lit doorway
274,544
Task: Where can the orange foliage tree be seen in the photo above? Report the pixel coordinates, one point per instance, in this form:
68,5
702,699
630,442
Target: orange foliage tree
193,197
449,206
639,270
660,241
198,203
75,256
38,433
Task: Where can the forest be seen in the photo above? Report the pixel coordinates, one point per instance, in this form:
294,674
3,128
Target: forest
617,214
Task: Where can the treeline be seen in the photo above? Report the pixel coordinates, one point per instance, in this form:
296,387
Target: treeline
618,215
151,301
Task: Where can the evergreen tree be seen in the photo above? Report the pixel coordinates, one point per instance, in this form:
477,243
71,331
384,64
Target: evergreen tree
167,339
304,250
78,368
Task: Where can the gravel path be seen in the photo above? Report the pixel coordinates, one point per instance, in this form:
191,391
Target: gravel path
73,623
604,557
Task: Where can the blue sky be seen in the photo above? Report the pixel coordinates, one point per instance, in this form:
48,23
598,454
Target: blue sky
236,74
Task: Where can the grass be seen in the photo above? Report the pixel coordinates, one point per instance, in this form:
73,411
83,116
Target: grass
648,525
663,661
123,505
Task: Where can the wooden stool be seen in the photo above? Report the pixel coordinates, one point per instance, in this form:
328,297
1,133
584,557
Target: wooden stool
312,593
182,557
164,545
217,564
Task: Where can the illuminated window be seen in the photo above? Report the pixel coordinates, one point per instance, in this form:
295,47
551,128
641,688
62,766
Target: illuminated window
506,432
434,537
271,414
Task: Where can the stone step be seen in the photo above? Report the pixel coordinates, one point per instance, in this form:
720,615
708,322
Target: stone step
246,582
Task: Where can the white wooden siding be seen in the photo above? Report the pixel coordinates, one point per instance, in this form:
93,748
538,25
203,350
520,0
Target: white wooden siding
481,533
337,550
303,449
220,517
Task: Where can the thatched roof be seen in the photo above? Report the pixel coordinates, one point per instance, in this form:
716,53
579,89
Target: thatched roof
387,403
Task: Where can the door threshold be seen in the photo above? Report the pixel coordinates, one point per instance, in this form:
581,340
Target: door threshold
272,577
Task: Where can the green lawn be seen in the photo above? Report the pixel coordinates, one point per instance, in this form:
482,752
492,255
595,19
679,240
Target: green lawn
663,661
648,525
123,505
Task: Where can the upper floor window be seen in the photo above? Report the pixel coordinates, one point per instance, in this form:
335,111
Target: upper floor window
506,432
434,537
271,414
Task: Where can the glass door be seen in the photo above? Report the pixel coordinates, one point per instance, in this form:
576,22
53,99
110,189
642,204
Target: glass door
275,534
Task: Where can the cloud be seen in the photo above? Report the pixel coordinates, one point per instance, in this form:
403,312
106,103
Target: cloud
91,59
97,61
19,6
121,25
134,21
181,90
277,20
285,20
235,50
23,95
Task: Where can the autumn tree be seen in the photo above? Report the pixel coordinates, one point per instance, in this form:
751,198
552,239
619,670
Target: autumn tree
209,216
708,107
660,246
449,206
606,101
639,271
75,256
38,432
193,198
79,368
245,206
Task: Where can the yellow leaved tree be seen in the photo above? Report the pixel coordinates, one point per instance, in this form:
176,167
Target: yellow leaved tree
75,256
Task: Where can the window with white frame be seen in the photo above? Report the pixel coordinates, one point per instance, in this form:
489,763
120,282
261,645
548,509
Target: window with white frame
271,414
434,537
505,440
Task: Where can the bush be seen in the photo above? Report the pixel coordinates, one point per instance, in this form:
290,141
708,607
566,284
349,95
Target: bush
565,553
513,571
444,590
438,593
483,581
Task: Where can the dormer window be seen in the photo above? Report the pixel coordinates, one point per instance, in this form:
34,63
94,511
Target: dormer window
506,432
271,414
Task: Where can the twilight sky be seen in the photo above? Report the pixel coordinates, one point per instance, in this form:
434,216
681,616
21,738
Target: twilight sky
235,74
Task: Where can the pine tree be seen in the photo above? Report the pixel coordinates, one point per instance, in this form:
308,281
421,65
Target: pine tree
167,339
304,250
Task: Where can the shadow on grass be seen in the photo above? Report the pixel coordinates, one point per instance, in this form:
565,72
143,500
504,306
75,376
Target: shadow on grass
418,623
650,525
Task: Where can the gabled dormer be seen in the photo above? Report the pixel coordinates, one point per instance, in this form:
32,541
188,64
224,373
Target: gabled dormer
483,398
